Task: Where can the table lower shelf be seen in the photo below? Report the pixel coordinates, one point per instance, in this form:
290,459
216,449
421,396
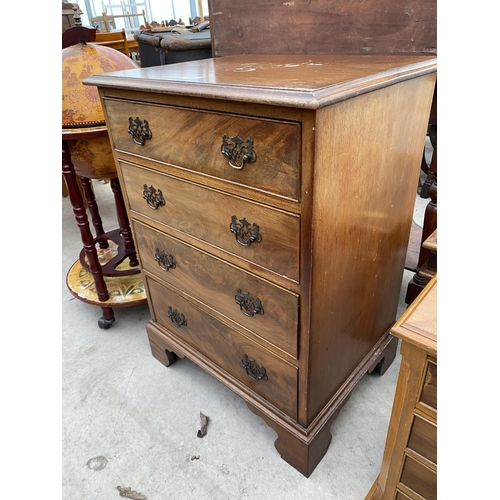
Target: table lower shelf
123,291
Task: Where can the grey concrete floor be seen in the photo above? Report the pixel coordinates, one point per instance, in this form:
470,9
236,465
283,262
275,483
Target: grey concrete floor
128,421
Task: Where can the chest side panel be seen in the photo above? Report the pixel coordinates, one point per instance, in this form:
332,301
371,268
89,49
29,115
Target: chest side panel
368,155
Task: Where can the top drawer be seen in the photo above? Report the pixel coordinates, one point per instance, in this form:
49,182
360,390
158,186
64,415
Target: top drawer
429,388
194,140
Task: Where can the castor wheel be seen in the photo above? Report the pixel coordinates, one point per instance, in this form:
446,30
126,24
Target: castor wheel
105,323
171,356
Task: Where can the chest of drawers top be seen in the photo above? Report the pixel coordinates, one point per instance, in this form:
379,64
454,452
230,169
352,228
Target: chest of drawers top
304,81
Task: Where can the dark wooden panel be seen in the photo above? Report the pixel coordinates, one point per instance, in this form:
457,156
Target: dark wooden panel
323,27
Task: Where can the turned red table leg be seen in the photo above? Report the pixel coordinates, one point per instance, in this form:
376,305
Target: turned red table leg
123,222
93,210
82,222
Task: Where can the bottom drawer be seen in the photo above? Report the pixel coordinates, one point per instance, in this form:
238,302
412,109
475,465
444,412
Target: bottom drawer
257,368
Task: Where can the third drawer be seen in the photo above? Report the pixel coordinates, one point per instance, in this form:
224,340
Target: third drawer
269,311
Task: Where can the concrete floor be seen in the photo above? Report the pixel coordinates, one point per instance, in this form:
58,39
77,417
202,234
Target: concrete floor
129,422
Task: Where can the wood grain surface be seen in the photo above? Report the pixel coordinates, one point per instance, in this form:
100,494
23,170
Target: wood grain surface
226,348
322,26
192,140
215,282
206,215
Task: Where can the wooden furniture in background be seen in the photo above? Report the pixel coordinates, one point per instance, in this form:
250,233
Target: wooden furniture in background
117,40
159,48
68,13
107,22
430,168
409,465
430,244
107,272
271,232
102,25
323,26
423,272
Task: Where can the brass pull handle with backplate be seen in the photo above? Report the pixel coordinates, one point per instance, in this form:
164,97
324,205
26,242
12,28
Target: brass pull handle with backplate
139,130
244,233
254,371
248,305
237,151
153,196
177,318
164,259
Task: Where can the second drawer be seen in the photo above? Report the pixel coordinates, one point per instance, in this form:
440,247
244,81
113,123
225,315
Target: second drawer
257,233
256,304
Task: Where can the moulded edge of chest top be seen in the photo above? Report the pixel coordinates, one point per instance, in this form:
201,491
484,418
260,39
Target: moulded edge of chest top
279,96
244,108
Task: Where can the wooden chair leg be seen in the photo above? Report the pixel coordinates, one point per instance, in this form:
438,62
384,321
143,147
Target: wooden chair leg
420,279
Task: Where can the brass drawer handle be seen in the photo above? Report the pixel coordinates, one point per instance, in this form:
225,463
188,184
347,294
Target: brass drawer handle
176,317
245,235
164,259
248,305
139,130
237,152
153,196
254,371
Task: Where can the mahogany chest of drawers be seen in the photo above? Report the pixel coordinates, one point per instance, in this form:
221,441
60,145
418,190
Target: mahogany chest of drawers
271,200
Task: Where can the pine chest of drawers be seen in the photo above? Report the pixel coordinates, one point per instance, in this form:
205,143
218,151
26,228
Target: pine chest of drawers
271,199
409,464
